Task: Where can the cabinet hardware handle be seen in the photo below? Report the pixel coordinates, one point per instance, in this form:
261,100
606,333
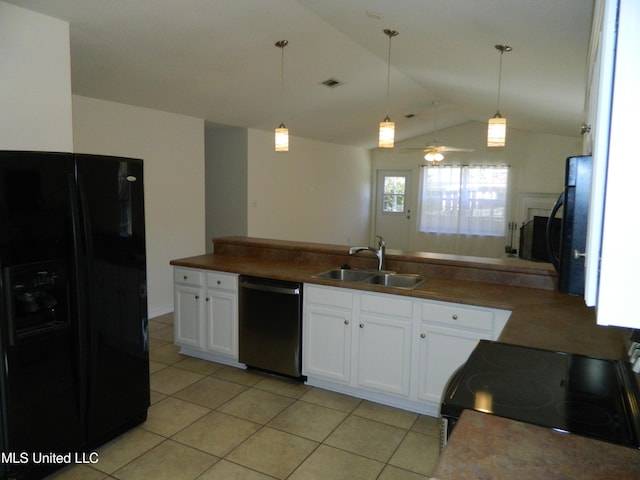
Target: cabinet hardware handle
346,322
422,335
206,299
455,317
185,277
197,297
219,282
362,325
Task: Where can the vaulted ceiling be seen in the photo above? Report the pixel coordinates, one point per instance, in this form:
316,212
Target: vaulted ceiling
216,60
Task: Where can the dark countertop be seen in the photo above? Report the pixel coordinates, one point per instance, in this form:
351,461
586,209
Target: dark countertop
484,446
540,318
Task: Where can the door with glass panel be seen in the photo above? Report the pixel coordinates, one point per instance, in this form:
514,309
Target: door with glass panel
393,207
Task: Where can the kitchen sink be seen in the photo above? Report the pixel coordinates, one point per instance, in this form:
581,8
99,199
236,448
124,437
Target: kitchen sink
345,275
396,280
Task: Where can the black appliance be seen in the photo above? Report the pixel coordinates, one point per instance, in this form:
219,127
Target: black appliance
573,393
573,238
270,325
533,239
74,364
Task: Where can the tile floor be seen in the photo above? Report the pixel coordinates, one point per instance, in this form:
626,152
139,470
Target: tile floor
208,421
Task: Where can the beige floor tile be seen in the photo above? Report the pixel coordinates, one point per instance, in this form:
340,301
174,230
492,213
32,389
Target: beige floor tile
256,405
427,425
238,375
394,473
272,452
198,365
283,386
166,319
385,414
366,437
210,392
155,366
217,433
326,398
125,448
167,354
168,461
156,396
328,463
171,379
171,415
224,470
418,453
78,472
308,420
164,333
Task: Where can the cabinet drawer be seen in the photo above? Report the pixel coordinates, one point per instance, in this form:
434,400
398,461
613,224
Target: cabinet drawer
335,297
223,281
188,276
457,315
387,305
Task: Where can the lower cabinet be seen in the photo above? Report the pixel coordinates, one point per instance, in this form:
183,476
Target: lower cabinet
391,349
206,314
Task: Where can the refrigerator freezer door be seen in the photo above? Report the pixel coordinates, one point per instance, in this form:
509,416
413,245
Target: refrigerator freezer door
112,203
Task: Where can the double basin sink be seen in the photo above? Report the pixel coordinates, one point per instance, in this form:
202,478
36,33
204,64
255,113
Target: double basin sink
387,279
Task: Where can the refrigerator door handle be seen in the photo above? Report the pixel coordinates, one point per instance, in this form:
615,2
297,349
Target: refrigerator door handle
554,258
79,282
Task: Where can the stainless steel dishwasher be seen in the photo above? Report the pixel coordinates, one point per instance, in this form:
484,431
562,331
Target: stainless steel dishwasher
270,327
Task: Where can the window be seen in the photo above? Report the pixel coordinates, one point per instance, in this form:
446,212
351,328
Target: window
464,199
394,191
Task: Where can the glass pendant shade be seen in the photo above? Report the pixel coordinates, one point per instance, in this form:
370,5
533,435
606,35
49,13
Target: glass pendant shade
386,133
282,138
497,131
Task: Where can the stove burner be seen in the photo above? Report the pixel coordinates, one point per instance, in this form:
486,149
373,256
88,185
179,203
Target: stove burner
507,390
584,413
529,362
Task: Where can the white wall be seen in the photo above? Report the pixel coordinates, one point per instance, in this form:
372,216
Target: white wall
35,81
172,147
226,177
317,192
537,166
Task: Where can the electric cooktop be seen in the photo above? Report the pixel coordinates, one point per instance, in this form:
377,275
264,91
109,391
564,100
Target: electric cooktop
573,393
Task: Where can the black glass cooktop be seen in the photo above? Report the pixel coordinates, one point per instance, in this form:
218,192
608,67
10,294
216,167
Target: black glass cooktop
574,393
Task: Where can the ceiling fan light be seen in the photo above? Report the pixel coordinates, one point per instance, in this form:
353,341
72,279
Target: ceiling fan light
386,133
433,157
497,131
282,138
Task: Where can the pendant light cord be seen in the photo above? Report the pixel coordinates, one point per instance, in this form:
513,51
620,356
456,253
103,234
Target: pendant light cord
390,33
502,48
281,44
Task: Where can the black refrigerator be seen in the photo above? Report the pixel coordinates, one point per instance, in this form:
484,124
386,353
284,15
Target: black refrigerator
74,361
574,201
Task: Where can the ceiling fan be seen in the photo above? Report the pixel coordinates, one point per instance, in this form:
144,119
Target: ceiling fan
433,150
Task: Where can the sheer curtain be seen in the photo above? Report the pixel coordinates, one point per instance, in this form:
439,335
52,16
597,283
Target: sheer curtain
464,200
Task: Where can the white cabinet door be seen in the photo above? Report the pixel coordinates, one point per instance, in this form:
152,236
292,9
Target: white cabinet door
188,315
222,322
327,343
441,351
384,354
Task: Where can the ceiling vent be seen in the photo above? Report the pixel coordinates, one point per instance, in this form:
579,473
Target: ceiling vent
332,83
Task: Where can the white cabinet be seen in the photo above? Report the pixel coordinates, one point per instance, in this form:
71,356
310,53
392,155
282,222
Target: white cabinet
384,343
387,348
221,305
327,334
188,296
206,314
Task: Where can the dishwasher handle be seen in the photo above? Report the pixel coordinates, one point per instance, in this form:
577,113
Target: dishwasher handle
268,287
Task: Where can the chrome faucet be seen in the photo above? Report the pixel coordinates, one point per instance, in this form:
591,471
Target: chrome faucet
379,252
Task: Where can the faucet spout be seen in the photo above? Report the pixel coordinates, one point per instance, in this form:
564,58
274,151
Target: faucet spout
379,252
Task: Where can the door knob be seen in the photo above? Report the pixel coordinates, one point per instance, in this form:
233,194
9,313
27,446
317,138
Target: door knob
577,254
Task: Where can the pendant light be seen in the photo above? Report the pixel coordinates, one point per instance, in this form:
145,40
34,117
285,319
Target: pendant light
386,132
282,132
497,128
